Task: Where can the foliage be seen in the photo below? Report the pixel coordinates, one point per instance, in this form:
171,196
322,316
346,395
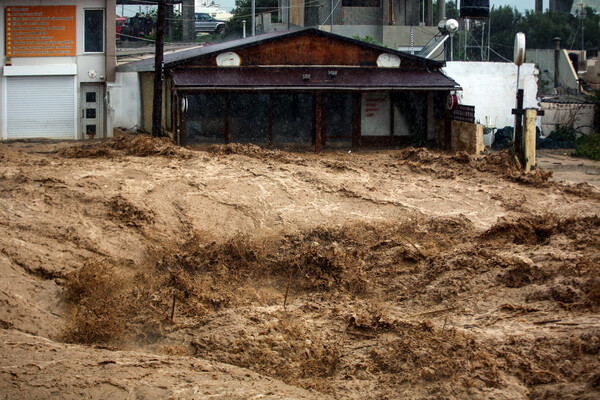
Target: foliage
540,30
243,11
367,39
176,34
588,146
563,133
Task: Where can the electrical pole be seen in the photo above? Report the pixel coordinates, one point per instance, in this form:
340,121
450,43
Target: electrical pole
159,69
253,19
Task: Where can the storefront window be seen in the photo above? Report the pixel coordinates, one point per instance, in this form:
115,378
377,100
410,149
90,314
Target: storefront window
94,31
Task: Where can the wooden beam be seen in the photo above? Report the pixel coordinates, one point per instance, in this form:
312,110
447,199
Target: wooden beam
270,118
356,119
227,128
183,138
318,121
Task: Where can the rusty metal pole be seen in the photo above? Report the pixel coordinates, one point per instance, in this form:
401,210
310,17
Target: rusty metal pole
556,60
159,70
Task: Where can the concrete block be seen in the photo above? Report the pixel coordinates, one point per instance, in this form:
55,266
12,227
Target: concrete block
466,137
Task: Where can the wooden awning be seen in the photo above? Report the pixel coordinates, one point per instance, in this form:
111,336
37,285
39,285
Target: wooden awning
310,78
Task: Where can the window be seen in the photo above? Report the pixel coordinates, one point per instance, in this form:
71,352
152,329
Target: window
94,31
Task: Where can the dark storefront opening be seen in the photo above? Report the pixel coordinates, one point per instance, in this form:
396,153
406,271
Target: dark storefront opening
337,112
282,117
206,118
293,118
251,118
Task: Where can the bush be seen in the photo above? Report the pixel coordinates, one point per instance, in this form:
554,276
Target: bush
588,146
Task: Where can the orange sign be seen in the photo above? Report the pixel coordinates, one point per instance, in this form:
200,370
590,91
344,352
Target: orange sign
40,31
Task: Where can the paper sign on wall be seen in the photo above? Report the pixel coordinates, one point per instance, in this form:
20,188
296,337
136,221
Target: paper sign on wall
40,31
375,116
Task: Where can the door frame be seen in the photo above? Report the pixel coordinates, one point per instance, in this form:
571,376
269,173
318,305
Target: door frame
100,110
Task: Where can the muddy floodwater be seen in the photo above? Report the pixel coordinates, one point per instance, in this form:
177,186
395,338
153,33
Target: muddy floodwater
132,268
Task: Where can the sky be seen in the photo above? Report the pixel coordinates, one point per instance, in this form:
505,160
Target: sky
520,5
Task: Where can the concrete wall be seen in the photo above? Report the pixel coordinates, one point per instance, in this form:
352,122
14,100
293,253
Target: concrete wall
124,101
466,137
399,36
544,59
491,88
375,31
85,62
362,16
580,116
394,37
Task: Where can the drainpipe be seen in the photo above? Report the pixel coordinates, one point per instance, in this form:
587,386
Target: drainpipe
556,60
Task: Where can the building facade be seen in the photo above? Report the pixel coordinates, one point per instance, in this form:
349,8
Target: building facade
306,86
58,59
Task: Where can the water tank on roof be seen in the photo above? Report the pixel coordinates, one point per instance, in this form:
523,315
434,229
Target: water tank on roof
474,9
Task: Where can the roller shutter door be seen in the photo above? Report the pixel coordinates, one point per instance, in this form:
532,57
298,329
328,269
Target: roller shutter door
41,107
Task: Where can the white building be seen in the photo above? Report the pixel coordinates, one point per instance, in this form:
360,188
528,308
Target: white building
57,60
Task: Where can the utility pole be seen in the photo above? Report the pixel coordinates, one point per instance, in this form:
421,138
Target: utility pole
253,19
159,69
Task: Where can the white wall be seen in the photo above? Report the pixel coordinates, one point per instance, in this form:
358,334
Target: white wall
85,62
125,102
492,88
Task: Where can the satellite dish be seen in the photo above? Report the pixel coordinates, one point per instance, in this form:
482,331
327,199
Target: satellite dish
519,55
229,59
387,60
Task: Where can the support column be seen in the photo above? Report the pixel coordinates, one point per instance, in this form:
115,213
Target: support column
227,127
539,5
111,40
441,10
170,23
188,23
412,13
528,155
356,116
429,12
430,117
318,122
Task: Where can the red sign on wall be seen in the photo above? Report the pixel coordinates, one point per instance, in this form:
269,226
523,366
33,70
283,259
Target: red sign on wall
40,31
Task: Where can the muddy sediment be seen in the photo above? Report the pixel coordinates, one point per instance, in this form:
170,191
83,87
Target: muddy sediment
380,274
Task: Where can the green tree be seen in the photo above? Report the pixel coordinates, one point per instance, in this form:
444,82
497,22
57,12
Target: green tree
540,30
243,11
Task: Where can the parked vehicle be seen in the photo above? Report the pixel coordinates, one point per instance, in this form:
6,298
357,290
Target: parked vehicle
120,21
206,23
136,27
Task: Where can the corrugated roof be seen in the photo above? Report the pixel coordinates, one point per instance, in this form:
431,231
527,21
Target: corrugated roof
566,99
174,59
298,78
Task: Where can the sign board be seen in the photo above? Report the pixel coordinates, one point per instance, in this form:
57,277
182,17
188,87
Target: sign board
375,114
40,31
